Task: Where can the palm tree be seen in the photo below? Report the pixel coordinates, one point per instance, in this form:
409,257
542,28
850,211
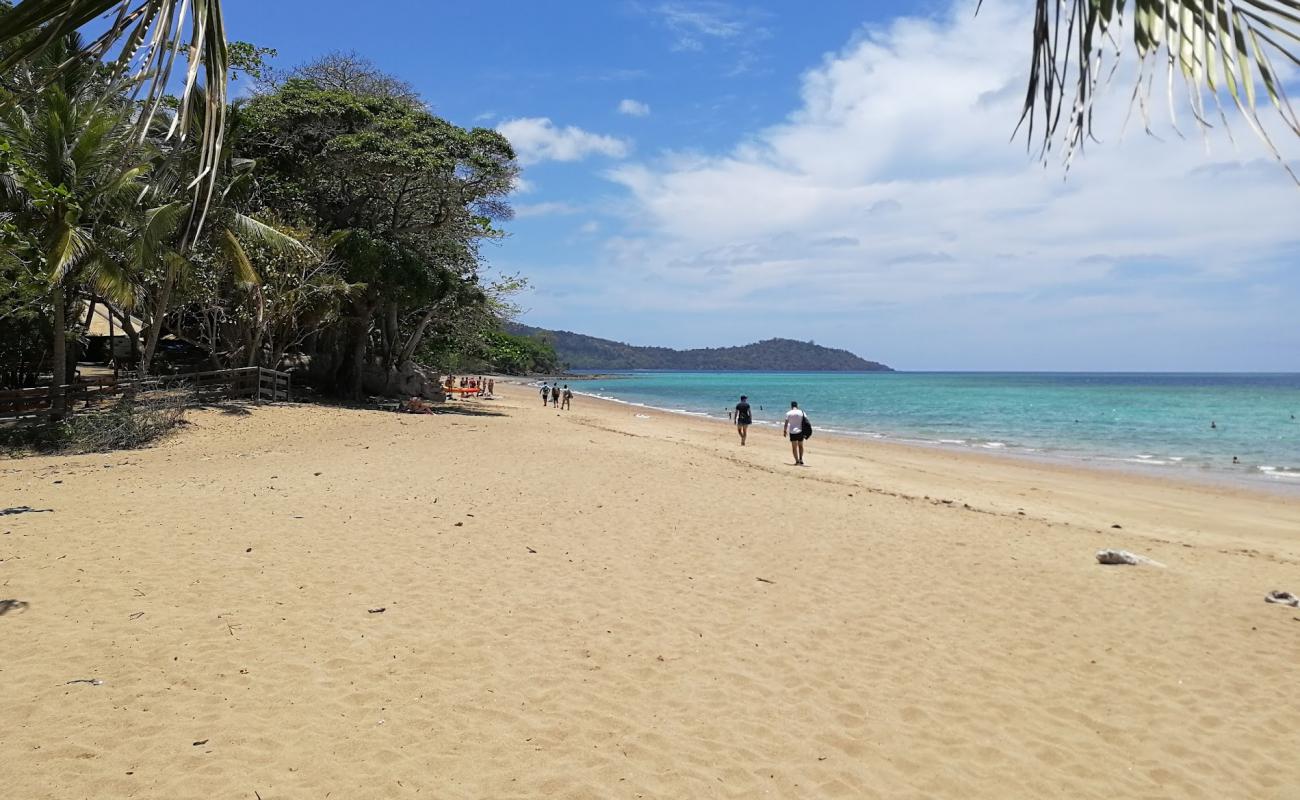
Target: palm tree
1217,45
167,243
80,176
146,35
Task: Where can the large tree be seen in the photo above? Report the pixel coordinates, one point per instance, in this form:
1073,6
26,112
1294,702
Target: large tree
405,196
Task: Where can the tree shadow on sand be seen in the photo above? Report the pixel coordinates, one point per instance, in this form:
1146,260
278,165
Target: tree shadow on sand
12,607
467,410
9,512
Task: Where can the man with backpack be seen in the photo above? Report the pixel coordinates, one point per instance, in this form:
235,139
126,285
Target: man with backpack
566,398
546,393
797,428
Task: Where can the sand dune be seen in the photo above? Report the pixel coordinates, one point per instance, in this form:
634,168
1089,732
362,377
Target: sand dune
595,605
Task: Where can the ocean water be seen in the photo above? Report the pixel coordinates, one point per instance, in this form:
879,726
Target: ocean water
1157,422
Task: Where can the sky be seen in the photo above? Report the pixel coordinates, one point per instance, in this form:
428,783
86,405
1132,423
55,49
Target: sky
711,173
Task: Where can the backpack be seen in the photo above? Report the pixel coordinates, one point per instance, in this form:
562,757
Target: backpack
806,427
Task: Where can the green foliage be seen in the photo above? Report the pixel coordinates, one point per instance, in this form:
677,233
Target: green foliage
249,59
341,229
520,355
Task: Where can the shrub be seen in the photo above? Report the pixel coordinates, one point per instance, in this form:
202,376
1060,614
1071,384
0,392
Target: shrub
127,425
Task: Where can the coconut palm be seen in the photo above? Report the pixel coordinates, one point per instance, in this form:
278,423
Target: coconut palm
143,38
1223,48
166,243
77,175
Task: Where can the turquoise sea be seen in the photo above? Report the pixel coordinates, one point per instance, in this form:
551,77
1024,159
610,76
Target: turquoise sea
1157,422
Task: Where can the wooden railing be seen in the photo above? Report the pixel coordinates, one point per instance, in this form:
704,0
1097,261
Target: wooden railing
196,388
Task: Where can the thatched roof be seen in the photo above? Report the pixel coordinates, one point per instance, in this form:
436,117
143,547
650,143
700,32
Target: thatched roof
99,323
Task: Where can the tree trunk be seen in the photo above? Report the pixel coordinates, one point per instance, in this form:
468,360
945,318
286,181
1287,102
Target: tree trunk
155,324
59,354
408,352
352,351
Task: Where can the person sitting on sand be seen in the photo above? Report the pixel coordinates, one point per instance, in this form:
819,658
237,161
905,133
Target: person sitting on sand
555,396
546,393
418,405
567,397
744,418
794,429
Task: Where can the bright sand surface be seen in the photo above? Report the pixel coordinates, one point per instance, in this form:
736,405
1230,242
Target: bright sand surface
598,604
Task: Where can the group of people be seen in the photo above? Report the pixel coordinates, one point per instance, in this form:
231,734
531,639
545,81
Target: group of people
469,386
557,397
796,427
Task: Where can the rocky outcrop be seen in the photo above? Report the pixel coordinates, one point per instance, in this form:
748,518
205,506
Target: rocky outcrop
408,381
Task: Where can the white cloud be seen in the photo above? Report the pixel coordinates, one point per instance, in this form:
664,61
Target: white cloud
696,25
894,185
633,108
546,209
901,145
537,139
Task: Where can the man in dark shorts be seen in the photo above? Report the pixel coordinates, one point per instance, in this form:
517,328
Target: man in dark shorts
555,396
744,418
795,422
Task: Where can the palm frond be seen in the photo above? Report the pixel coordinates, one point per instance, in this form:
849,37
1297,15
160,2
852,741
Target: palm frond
111,279
1221,47
160,226
149,35
238,259
68,248
264,234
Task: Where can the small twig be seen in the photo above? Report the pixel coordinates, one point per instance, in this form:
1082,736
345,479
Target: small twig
764,580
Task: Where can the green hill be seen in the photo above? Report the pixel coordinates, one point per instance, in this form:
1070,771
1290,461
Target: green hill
771,355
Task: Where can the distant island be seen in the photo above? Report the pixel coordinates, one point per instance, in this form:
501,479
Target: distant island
580,352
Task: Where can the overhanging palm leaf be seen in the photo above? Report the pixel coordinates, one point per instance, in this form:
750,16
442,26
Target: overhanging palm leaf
1223,46
148,34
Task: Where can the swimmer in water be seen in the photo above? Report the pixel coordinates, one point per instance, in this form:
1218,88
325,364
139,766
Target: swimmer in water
1212,425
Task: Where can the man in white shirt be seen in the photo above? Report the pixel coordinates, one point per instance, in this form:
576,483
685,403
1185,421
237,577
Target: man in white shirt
794,429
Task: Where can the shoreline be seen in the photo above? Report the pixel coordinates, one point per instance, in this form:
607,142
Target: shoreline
1269,483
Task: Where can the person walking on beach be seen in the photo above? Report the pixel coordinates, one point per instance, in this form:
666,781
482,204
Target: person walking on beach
546,393
555,396
567,397
744,418
795,428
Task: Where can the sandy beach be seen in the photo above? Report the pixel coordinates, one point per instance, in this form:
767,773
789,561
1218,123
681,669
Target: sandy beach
507,601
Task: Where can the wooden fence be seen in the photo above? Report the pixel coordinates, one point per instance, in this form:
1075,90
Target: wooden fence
257,384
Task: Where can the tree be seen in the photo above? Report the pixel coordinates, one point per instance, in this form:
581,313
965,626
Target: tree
147,35
353,73
75,173
405,196
166,249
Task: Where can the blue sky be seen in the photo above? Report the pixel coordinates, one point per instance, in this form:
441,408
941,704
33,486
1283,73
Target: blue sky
713,173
